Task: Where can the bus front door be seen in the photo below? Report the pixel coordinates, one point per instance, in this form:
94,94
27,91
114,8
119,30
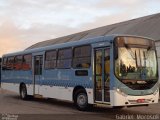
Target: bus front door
38,62
102,78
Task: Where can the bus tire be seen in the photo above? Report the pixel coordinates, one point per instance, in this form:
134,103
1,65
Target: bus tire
81,101
23,92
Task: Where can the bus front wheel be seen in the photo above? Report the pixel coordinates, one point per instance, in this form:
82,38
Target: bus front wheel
23,92
81,101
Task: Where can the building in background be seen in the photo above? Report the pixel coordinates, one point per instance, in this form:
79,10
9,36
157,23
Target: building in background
148,26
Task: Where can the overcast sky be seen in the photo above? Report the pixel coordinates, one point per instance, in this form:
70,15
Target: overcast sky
25,22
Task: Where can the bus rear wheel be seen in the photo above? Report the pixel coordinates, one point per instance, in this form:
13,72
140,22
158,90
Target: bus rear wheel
23,92
81,101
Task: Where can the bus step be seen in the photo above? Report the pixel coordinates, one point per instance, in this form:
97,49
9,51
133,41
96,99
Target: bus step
102,104
38,96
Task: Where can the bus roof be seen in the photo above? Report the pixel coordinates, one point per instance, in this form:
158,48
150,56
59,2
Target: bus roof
108,38
66,44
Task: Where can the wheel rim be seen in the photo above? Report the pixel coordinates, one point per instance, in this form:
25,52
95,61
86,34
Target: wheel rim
81,100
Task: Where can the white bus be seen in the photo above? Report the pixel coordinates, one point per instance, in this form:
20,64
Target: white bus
115,70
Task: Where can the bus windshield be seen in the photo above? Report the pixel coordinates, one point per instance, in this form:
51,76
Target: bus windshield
136,64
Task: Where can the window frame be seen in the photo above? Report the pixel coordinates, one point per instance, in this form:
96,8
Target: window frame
12,64
19,63
89,45
50,60
59,59
30,61
5,63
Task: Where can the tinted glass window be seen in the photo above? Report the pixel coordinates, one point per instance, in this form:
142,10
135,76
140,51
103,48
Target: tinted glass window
83,51
65,53
10,63
65,63
50,60
82,57
27,62
64,58
18,62
51,55
4,63
38,65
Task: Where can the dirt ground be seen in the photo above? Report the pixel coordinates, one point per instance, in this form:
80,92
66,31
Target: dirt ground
12,106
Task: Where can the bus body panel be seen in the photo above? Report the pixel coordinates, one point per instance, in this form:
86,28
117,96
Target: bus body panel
121,99
61,93
14,87
60,83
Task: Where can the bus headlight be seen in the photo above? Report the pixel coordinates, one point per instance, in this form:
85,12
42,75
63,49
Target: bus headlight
120,92
155,92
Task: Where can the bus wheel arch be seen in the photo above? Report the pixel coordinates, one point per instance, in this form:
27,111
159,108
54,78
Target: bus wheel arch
23,91
80,98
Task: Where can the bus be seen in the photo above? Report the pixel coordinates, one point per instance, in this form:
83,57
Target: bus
114,70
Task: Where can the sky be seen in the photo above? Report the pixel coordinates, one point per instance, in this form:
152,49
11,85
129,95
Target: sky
26,22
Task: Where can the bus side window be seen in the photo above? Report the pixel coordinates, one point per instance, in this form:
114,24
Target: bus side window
64,58
50,59
27,62
82,57
10,63
18,62
4,63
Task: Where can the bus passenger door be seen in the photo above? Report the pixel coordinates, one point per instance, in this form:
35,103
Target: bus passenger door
38,62
102,76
